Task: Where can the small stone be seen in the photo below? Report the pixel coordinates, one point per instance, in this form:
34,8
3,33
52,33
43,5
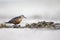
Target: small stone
39,24
28,26
34,25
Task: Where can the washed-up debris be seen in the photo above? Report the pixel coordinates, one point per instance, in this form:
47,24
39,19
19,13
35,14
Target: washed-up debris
3,26
42,24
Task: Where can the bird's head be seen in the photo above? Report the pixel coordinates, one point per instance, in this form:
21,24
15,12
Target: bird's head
22,16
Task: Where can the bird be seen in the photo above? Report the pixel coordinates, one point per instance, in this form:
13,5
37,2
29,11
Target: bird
16,20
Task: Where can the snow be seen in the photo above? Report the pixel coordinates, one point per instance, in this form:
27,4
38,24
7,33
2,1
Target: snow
28,34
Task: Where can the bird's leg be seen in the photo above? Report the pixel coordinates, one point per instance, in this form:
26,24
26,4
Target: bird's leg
15,26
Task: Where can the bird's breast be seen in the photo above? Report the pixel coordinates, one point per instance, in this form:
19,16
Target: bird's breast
17,21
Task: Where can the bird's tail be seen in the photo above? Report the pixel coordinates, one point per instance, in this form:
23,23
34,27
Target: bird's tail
6,22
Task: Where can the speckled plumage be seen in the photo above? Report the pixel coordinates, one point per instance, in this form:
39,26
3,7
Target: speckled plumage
16,20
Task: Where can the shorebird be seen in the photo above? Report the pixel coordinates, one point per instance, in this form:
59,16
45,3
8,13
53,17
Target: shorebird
16,20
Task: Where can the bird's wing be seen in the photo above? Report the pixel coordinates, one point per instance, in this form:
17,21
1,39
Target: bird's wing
12,20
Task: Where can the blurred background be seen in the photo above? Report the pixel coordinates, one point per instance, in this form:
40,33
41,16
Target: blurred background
32,9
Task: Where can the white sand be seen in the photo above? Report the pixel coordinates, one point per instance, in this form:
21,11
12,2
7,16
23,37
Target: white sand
29,34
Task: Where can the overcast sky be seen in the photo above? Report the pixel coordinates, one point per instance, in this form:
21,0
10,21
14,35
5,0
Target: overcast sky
10,8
